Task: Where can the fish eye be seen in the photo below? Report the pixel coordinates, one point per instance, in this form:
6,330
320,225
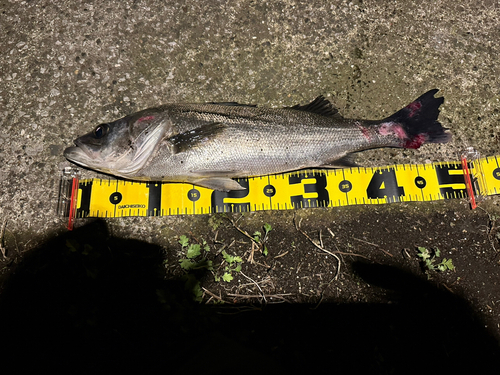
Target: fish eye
101,130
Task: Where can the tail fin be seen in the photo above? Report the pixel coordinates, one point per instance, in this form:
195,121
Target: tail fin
419,123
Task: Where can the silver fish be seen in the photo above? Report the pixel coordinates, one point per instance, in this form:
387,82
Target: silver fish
210,144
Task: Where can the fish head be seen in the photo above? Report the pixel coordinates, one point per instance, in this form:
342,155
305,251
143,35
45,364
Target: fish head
121,147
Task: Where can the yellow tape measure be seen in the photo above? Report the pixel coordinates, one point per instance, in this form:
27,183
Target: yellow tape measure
471,178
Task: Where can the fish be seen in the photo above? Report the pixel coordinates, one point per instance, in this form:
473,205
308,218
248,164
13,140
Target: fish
213,144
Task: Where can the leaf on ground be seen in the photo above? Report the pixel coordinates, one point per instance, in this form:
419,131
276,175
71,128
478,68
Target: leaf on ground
203,264
228,258
183,240
446,264
231,259
227,277
192,285
197,292
429,264
423,253
193,251
186,264
450,265
265,251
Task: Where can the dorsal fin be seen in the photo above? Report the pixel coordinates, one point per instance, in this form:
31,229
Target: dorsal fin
320,106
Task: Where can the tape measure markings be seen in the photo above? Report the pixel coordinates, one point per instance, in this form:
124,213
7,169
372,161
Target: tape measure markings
286,191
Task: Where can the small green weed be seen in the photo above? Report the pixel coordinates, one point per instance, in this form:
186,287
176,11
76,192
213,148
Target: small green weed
196,259
260,240
192,263
193,285
233,265
429,259
193,251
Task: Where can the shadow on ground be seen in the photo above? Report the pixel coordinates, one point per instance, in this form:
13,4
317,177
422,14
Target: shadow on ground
88,303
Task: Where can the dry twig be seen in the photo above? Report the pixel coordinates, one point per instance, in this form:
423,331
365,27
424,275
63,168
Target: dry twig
257,285
2,233
248,296
297,226
281,255
374,244
212,295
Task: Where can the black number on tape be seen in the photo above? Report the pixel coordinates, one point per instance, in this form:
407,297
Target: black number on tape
445,178
218,204
420,182
496,173
384,185
115,198
84,209
154,200
345,186
193,195
319,187
269,191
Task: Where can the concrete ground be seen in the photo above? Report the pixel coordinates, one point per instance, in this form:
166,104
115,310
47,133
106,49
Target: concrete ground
67,66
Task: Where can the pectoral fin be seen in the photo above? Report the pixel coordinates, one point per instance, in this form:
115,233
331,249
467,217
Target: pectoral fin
218,183
192,138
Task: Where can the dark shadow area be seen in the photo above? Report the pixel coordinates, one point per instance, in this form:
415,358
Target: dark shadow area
89,303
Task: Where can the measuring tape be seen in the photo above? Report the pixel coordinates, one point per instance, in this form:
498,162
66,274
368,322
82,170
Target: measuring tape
471,178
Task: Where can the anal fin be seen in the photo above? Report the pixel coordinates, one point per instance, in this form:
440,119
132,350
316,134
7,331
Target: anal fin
344,162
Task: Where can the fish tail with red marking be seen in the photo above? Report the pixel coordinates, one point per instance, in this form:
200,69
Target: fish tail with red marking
417,123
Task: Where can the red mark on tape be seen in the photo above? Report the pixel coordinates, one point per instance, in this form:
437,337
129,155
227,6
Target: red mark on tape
468,183
72,205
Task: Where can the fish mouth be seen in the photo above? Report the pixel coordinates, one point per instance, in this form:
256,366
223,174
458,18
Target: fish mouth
78,154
